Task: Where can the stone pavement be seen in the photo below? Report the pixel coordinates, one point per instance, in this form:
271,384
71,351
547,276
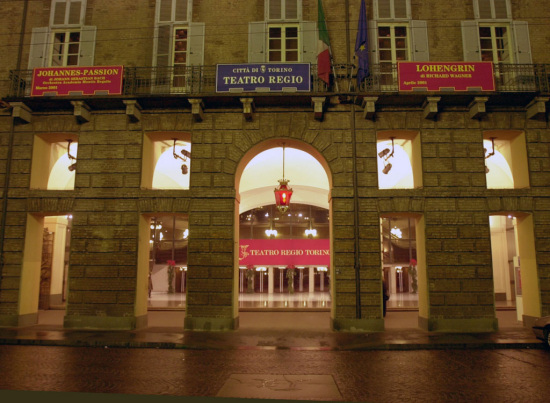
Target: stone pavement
267,331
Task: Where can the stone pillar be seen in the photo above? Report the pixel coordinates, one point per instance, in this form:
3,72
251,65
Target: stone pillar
311,279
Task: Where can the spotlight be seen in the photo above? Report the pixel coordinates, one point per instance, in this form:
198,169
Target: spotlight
184,169
71,167
384,152
386,169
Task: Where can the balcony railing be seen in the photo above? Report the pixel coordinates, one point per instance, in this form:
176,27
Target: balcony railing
195,80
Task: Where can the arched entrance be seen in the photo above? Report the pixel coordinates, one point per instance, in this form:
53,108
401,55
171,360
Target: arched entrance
283,260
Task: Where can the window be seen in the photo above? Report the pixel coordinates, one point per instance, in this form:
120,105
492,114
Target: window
283,10
392,9
65,48
54,161
67,12
282,36
179,44
492,9
399,159
166,160
493,36
66,41
495,44
393,47
283,43
396,37
506,164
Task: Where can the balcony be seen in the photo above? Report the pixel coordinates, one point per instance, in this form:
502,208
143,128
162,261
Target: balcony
164,87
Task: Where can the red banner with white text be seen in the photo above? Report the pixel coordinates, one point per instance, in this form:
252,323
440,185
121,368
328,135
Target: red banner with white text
58,81
455,76
284,252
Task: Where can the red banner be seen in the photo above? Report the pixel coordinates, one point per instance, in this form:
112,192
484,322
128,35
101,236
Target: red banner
284,252
456,76
57,81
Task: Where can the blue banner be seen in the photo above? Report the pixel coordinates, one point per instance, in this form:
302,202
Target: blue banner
268,77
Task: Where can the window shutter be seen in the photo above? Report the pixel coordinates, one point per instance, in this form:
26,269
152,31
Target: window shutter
59,12
75,10
182,10
384,8
39,41
501,9
522,42
196,44
165,11
484,10
291,9
257,32
274,10
309,41
373,41
163,34
470,41
400,9
87,46
420,48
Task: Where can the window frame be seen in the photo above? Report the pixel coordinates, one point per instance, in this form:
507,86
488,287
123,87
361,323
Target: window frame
67,13
283,18
477,16
173,19
283,42
66,45
510,48
376,5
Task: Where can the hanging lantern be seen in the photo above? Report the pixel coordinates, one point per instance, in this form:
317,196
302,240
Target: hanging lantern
283,193
282,196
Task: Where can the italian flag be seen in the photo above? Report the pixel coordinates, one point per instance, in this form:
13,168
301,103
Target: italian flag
323,45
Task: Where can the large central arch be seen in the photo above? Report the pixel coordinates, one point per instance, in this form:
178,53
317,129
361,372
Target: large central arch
256,177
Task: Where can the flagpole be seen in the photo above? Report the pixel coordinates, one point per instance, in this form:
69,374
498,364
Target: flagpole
332,67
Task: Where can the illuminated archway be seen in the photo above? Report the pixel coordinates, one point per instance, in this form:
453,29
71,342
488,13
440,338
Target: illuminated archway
310,178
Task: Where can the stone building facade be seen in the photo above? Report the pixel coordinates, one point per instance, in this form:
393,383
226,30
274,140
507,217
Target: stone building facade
340,125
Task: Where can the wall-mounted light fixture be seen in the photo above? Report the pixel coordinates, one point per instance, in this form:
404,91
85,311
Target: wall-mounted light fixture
490,154
186,154
71,167
385,155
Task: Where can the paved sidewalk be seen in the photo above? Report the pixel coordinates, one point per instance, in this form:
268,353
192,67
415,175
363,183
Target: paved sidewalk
271,331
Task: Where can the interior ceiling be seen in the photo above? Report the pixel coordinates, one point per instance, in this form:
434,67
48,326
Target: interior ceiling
306,176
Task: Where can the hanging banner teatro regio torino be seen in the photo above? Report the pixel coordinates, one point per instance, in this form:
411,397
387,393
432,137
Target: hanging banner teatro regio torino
284,252
59,81
453,76
268,77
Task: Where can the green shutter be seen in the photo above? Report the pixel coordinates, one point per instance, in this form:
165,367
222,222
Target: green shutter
470,41
257,32
38,50
87,46
196,44
522,43
309,37
420,48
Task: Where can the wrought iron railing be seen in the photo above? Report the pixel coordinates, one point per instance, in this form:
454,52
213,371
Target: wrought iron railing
197,80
